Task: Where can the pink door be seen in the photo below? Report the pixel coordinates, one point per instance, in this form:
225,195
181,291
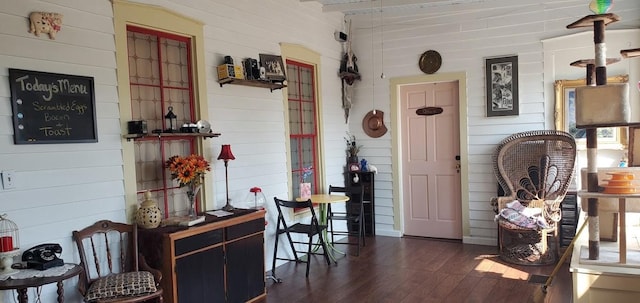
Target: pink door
430,164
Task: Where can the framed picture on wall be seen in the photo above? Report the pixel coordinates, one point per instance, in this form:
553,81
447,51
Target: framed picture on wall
501,77
565,114
273,66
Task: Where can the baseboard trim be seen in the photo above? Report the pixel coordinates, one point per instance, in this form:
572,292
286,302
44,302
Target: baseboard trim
389,233
480,241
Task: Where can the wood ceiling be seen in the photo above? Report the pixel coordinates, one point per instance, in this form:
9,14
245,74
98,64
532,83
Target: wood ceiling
355,7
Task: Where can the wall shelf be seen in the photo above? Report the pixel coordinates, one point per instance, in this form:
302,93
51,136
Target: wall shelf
255,83
130,137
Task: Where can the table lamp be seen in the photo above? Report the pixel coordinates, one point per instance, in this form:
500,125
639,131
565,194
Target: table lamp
226,155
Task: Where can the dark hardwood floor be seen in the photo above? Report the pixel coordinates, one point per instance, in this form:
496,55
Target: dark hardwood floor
416,270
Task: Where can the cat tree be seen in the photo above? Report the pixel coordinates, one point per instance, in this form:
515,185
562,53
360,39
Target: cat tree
591,114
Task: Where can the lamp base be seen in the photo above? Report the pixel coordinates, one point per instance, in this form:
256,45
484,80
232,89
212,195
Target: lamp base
228,206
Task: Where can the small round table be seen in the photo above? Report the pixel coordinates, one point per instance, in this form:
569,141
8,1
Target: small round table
323,200
22,284
326,198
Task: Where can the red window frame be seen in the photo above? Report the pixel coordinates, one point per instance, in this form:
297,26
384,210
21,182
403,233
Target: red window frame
167,183
297,136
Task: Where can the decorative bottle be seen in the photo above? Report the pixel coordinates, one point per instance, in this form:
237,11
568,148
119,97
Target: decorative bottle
149,214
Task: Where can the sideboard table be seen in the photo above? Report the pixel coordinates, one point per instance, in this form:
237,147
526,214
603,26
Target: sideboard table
218,260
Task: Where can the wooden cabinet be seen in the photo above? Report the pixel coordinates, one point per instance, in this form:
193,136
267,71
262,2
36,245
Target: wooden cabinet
367,180
221,260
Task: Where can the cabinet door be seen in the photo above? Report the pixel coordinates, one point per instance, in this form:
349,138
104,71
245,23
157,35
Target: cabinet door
200,277
245,268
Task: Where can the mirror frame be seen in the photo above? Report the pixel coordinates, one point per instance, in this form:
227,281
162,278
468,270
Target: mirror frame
561,108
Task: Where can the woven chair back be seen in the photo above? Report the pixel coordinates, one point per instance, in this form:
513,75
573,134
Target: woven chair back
535,165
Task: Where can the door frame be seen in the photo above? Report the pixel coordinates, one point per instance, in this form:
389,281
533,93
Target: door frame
396,130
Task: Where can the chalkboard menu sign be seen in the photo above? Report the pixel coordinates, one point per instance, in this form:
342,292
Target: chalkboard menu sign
52,108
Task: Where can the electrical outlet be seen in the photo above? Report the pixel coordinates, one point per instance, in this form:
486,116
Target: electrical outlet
8,179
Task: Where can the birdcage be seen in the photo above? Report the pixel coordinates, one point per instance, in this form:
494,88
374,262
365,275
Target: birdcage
9,244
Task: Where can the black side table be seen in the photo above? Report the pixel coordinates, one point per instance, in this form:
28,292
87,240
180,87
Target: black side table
22,284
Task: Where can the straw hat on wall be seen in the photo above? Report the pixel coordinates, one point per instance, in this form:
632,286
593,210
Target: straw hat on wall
373,124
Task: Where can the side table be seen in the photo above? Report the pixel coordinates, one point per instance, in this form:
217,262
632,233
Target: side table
26,278
323,200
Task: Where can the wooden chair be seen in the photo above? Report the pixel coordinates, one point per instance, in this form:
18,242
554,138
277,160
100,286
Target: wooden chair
311,229
114,271
353,216
534,168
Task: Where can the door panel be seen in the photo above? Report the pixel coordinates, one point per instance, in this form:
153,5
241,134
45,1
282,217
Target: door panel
432,200
419,193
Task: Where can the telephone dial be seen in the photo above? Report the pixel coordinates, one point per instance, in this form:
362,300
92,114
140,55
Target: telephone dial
43,256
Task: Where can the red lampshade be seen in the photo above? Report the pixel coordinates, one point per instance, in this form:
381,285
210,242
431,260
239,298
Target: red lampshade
225,153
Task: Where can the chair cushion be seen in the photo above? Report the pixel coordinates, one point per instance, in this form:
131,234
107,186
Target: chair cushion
128,284
523,217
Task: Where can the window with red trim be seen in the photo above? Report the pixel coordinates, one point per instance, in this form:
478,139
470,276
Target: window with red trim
160,77
303,128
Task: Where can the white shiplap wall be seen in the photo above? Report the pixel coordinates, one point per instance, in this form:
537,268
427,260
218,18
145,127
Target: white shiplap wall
464,34
63,187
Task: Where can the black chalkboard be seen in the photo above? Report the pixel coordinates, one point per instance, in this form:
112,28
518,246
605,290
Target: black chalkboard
52,108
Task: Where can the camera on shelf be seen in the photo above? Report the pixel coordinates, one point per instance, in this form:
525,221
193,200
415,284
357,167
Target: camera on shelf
228,70
137,127
251,69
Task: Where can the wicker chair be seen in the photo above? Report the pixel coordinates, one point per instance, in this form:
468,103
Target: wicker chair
535,168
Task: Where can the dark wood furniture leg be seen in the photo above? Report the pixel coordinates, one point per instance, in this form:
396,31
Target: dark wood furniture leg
60,292
22,295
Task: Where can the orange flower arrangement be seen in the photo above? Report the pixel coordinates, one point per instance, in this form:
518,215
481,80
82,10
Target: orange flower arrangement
188,170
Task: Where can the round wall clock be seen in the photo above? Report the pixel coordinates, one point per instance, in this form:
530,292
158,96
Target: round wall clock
430,61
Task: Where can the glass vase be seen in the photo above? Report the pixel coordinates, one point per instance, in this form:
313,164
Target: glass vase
191,200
